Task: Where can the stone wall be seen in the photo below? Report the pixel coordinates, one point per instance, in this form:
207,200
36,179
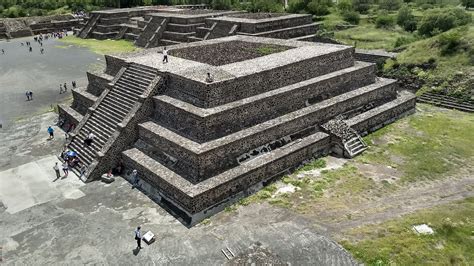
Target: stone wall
98,82
203,125
200,161
82,100
209,95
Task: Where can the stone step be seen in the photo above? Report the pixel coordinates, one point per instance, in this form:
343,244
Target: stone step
130,36
137,87
128,89
144,68
131,95
110,121
183,27
165,42
140,73
177,36
444,104
84,156
221,152
194,198
99,129
124,102
384,114
129,77
91,150
108,106
287,33
189,119
195,39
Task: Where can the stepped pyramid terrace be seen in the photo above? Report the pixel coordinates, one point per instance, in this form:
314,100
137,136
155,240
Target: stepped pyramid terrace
200,144
168,25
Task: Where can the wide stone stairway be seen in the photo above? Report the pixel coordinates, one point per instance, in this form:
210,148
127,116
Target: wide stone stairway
110,111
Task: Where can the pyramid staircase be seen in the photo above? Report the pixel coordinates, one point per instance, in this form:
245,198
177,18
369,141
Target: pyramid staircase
342,133
89,26
111,113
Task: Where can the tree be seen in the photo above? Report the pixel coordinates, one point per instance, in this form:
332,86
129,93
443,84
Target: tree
390,4
406,19
361,6
467,3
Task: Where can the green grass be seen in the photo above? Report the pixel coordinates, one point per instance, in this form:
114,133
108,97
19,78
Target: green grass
430,144
101,46
394,242
270,49
367,36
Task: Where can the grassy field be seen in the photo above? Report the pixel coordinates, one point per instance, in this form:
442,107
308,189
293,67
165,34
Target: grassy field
395,243
101,46
432,145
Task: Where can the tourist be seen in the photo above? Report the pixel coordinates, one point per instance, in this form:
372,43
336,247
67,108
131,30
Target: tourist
89,139
42,50
165,55
65,87
138,237
65,169
60,88
56,169
134,178
51,132
31,49
27,95
73,84
3,51
31,95
82,171
209,79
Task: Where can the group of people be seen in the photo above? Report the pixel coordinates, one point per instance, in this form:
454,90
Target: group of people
63,88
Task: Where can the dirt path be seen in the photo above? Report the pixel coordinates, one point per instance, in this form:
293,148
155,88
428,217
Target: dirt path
404,201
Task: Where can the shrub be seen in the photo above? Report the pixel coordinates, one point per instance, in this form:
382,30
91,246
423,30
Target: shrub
390,4
449,42
467,3
351,17
221,4
384,20
439,21
405,19
426,6
361,6
344,5
296,6
319,7
402,40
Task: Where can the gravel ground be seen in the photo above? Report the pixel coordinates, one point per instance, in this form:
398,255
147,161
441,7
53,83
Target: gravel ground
227,52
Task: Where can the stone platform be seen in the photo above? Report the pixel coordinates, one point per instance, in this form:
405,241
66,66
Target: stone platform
201,144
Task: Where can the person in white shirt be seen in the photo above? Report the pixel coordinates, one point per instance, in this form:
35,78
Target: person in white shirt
89,139
138,237
165,55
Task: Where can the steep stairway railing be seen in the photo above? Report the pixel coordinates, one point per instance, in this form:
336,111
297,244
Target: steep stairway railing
154,27
110,115
89,26
122,32
158,33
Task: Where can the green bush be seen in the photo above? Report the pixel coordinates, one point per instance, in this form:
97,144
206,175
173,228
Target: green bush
439,21
467,3
449,42
405,19
361,6
390,4
384,20
344,5
351,16
426,6
402,40
221,4
319,7
296,6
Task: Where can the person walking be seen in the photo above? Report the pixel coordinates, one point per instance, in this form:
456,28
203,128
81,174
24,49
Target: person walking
65,169
138,237
165,55
60,88
56,169
134,178
31,49
65,87
89,139
42,50
51,132
3,51
27,95
31,95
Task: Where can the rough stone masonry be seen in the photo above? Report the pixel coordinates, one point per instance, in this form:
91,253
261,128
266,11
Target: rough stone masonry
199,146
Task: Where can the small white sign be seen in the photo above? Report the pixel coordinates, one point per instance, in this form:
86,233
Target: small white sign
423,229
